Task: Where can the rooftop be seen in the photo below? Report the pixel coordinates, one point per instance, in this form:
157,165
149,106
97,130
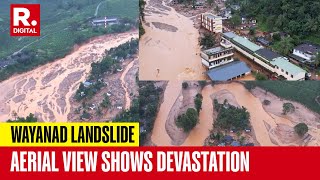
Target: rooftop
229,35
267,54
284,64
228,71
110,19
214,50
308,48
243,41
246,43
211,16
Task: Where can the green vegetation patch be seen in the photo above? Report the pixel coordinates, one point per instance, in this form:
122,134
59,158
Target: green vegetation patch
304,92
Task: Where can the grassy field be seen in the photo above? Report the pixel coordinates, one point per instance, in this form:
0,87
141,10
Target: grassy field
303,92
63,24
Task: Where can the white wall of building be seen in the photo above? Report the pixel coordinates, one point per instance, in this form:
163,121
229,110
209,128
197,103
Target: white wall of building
302,55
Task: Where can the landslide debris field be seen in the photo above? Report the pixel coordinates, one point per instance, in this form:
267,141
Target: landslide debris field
46,91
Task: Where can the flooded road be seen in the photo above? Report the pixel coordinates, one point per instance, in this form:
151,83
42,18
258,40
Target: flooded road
46,90
169,49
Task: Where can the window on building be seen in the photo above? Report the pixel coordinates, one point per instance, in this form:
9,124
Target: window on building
291,76
287,73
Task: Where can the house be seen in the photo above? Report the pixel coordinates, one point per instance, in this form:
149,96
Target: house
249,144
105,21
199,5
235,143
220,64
226,13
248,21
305,52
235,7
87,84
216,56
263,41
211,22
228,139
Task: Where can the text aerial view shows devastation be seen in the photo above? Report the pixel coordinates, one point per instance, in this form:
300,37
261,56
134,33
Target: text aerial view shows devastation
250,113
83,67
222,40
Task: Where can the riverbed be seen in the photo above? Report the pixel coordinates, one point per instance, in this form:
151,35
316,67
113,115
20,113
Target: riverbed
267,126
46,90
169,50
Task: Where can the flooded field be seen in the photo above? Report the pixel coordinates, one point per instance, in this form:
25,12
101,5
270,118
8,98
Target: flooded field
169,50
271,129
46,90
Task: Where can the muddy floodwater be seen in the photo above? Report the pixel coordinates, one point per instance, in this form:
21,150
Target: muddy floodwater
46,90
169,50
263,123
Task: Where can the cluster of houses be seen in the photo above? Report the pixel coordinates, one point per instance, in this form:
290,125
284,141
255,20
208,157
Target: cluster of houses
221,65
230,141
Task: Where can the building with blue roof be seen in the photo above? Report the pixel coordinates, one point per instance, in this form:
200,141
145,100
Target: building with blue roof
233,70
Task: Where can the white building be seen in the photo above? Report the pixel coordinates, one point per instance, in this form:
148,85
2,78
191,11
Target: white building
267,59
217,56
211,22
306,51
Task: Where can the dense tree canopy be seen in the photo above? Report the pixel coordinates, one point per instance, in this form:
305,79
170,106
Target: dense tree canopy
188,120
298,17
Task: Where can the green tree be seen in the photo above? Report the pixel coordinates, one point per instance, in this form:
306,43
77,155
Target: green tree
235,20
208,40
202,83
287,107
317,60
198,102
210,2
301,129
284,46
260,77
29,118
252,31
188,120
105,102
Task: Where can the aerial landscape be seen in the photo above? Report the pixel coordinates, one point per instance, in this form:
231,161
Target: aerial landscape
83,67
191,72
252,113
222,40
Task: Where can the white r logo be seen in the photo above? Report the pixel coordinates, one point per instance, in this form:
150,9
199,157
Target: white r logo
17,17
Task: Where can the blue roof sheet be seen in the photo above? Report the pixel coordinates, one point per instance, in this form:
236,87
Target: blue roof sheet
228,71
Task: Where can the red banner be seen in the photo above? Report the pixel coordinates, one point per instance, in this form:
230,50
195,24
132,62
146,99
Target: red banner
160,162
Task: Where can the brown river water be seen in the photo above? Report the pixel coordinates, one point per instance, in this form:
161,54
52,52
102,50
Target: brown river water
169,50
259,117
46,90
